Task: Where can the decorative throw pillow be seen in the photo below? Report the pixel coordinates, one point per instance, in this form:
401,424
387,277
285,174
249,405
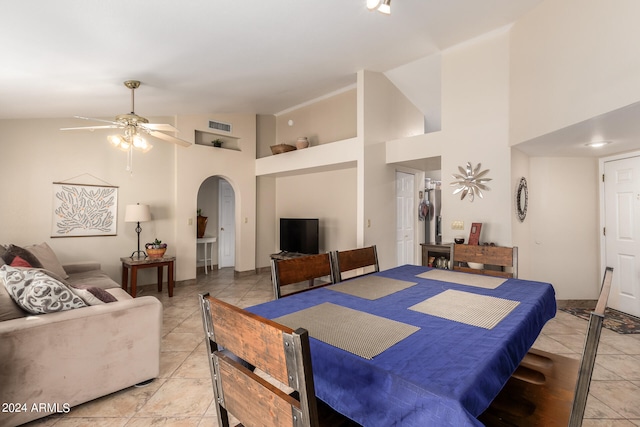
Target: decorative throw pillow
47,258
14,251
91,295
19,262
37,292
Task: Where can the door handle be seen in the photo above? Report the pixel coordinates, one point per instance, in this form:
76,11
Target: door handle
221,228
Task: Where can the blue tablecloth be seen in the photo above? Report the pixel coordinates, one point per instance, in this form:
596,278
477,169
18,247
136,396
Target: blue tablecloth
445,374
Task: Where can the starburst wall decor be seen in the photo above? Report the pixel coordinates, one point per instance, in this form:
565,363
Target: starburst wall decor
470,181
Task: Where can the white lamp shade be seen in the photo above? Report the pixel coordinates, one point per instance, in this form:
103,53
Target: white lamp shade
137,213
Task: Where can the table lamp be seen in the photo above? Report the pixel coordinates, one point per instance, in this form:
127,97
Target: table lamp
137,213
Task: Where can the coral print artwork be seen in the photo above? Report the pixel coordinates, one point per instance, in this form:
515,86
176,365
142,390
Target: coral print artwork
84,210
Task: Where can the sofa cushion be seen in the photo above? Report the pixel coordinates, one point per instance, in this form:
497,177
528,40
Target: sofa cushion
37,292
8,307
13,251
47,258
96,278
91,295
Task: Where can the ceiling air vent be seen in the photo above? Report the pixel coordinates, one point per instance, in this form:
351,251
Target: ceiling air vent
225,127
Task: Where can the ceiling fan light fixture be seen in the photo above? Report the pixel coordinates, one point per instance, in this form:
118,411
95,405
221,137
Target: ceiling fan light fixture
115,140
382,6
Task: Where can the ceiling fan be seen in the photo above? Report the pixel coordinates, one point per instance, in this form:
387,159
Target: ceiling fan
133,126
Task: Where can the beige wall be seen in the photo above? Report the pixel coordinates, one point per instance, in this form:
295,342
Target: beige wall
35,153
572,60
475,101
329,196
326,120
265,134
197,163
385,113
564,225
521,230
266,223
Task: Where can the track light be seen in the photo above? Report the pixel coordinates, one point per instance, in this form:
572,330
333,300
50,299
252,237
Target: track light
382,6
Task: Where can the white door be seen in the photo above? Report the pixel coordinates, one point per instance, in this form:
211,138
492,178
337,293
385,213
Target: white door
622,232
405,218
226,225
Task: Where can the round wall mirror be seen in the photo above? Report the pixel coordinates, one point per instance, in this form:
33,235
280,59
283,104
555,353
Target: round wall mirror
522,199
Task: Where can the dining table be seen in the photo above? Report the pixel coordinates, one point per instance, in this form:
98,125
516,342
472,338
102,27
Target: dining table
414,345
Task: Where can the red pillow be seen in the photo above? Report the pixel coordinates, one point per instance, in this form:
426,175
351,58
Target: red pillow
19,262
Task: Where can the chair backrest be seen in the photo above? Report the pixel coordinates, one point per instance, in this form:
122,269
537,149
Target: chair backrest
497,256
353,259
307,268
551,389
282,353
589,353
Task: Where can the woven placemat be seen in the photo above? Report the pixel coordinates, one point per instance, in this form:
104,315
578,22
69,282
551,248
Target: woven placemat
363,334
477,280
464,307
371,287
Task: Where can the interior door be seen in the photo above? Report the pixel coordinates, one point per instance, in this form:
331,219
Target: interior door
227,225
405,202
622,232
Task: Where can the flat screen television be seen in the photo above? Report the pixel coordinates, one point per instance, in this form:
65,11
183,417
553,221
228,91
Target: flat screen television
299,235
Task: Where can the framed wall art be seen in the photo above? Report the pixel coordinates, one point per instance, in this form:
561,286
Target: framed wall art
84,210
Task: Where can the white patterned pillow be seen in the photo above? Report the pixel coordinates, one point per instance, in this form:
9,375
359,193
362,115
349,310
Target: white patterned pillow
36,292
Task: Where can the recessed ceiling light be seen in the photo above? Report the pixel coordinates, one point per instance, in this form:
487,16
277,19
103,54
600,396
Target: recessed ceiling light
597,144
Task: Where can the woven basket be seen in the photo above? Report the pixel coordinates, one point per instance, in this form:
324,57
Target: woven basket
282,148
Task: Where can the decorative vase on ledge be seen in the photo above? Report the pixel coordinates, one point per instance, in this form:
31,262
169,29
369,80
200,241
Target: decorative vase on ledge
202,225
302,142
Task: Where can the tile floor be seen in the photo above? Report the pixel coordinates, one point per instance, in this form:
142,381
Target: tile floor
182,395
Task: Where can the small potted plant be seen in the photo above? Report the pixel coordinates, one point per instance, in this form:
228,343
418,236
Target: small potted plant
217,142
156,249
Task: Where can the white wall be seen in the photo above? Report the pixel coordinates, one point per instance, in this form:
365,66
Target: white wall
572,60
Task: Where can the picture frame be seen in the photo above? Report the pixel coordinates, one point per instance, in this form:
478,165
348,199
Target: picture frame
474,233
81,210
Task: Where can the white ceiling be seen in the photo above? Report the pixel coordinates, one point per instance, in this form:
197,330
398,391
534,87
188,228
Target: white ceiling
69,57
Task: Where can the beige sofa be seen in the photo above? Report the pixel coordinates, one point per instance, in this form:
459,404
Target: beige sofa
52,362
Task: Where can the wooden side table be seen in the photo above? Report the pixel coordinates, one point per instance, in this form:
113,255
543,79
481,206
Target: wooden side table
134,264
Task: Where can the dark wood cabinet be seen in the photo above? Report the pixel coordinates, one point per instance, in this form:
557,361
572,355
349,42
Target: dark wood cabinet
432,253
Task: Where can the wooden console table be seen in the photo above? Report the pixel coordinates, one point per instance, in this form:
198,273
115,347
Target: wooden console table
134,264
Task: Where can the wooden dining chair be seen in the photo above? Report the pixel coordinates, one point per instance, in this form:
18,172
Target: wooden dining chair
240,343
304,269
350,260
549,389
498,261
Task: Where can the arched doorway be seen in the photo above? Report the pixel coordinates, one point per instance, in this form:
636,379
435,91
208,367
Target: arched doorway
216,201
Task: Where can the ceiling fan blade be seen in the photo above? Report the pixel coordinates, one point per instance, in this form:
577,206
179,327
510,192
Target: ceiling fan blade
97,120
164,136
163,127
92,127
